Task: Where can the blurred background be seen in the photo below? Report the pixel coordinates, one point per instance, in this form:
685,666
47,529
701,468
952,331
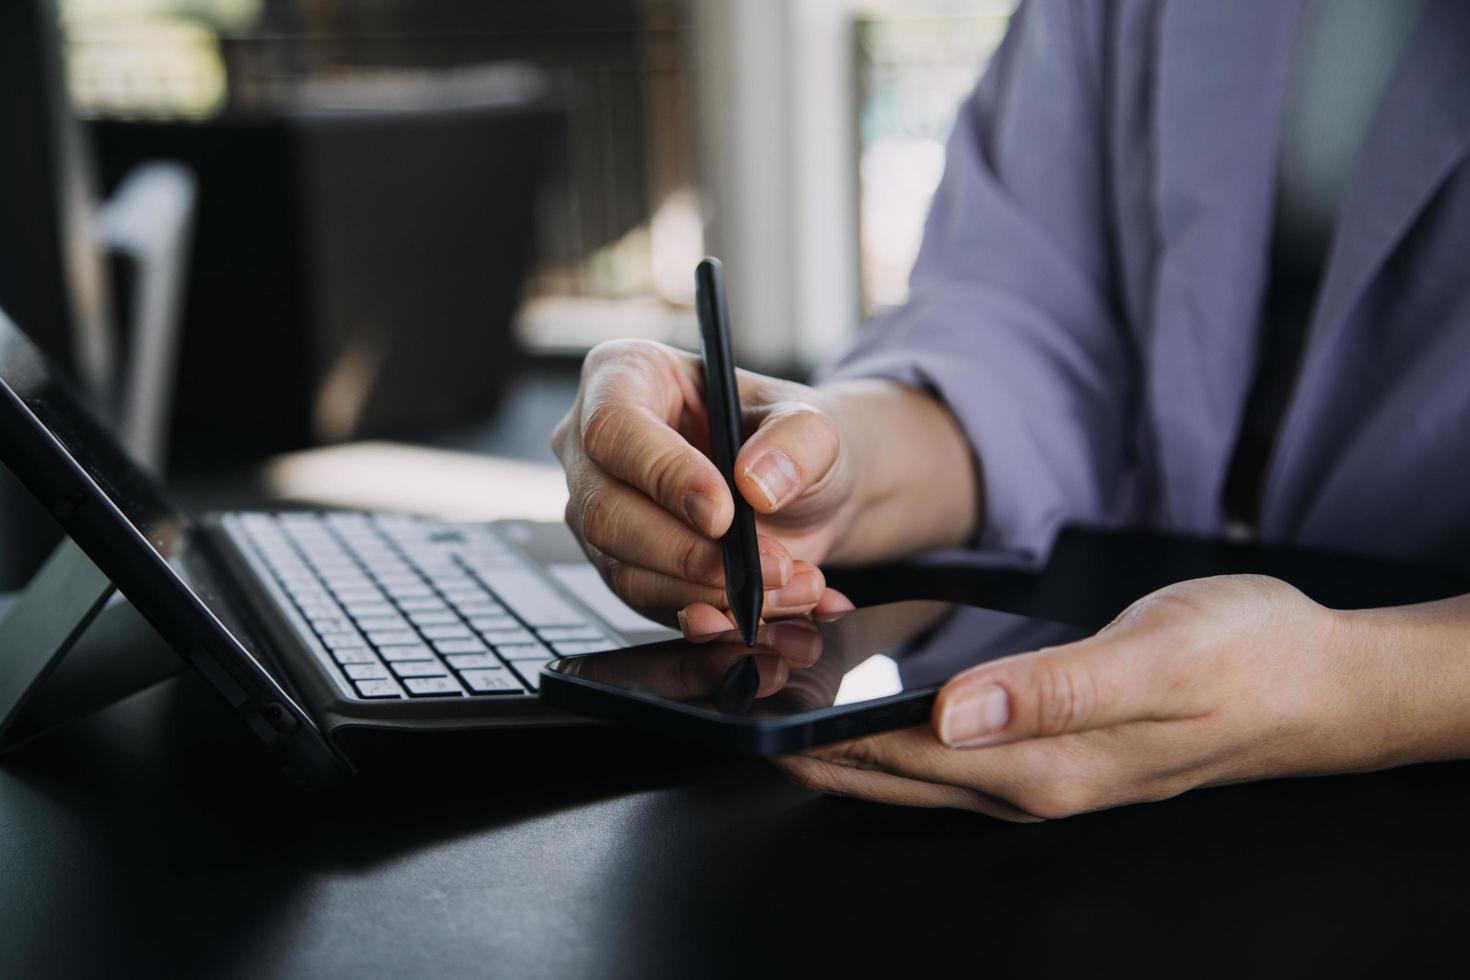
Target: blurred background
351,252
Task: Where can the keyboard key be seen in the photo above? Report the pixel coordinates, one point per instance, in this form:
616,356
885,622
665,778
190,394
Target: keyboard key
472,661
573,648
374,624
419,668
394,638
424,604
432,617
530,671
349,596
366,672
465,595
508,637
354,655
530,597
423,687
355,584
487,608
416,652
459,646
504,622
382,688
524,651
457,585
450,631
571,633
332,624
298,582
414,591
337,641
499,681
361,609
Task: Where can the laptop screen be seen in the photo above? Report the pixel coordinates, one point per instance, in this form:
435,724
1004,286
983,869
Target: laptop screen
60,410
47,434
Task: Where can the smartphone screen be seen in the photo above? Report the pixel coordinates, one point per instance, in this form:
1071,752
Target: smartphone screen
801,668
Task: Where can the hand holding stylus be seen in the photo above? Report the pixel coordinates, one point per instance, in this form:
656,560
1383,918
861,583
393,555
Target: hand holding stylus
650,507
856,471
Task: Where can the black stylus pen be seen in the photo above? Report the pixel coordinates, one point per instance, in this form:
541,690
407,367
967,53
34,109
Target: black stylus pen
743,586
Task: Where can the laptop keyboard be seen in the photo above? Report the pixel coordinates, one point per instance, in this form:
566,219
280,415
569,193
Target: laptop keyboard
412,608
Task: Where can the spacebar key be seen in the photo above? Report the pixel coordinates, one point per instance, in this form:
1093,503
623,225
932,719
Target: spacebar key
529,597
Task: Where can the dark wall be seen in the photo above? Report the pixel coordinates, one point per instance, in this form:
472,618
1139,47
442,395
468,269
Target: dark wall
33,286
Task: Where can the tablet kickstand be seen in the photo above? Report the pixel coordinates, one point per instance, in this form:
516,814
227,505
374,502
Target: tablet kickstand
70,645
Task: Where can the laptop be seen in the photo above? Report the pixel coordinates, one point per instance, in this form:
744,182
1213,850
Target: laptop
316,627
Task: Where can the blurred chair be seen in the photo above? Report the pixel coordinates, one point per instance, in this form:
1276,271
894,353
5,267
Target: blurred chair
360,252
97,285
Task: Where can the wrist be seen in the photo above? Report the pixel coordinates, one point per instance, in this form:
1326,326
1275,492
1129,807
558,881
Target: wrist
848,404
913,478
1409,671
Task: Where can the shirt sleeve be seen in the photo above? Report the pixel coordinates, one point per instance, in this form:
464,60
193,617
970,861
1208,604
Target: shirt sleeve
1011,320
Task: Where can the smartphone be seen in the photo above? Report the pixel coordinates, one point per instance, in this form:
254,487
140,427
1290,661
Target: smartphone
805,682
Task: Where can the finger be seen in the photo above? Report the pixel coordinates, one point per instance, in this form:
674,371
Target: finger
625,524
1111,679
799,595
793,448
832,605
1003,773
702,621
644,588
882,787
624,434
649,591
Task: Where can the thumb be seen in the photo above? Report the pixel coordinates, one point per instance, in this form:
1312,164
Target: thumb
793,447
1104,680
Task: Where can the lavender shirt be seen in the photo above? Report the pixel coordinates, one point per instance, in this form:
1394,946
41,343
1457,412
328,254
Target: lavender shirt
1087,299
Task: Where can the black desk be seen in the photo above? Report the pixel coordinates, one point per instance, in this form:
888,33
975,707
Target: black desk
155,838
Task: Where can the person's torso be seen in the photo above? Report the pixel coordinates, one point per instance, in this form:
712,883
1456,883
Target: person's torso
1308,174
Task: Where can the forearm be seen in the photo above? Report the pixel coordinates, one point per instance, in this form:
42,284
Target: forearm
1415,705
918,481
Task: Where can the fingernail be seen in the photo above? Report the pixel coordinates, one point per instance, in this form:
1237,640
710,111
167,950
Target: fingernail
775,569
803,590
775,475
699,511
683,618
973,716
